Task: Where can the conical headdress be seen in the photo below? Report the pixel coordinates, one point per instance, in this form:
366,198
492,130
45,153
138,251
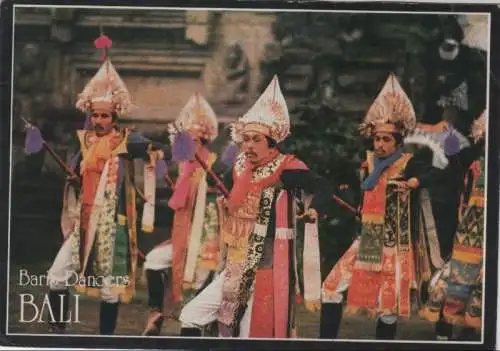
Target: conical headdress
478,129
105,90
392,111
269,115
196,116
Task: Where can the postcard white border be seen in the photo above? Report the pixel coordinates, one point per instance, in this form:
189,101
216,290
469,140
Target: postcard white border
248,10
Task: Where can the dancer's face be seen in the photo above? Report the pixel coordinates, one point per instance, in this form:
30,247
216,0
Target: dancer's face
102,121
256,147
384,144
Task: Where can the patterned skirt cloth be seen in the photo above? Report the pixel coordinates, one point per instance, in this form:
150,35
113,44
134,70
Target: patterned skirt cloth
457,289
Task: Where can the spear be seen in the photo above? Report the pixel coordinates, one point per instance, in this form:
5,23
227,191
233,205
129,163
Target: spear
339,201
346,205
35,143
217,180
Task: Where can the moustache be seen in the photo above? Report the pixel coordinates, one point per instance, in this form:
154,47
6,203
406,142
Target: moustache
249,153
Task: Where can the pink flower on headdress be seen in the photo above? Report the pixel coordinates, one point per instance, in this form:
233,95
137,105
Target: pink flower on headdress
103,42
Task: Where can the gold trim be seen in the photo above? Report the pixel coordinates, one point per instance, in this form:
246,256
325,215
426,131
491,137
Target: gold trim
477,201
121,148
385,128
147,228
467,257
102,105
312,305
236,254
371,218
257,127
122,220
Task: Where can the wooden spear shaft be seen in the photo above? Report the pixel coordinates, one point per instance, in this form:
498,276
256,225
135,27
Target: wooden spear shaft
217,180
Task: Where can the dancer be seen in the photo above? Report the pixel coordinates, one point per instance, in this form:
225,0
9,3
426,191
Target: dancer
455,292
382,267
99,211
193,251
255,293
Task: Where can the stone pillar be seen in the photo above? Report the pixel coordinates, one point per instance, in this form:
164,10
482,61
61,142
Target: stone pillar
233,74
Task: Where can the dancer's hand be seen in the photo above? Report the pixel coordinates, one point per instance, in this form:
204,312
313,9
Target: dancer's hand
73,180
309,216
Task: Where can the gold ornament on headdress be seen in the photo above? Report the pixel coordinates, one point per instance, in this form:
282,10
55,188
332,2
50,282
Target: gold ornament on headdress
106,90
392,111
196,117
269,115
478,129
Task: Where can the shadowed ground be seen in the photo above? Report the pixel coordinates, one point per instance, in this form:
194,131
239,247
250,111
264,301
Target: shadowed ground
133,316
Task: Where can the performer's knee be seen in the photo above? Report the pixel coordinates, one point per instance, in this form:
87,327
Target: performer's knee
388,318
58,277
188,316
337,296
107,293
159,258
56,285
108,296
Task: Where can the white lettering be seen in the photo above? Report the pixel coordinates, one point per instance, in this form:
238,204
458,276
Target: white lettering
46,303
23,274
30,300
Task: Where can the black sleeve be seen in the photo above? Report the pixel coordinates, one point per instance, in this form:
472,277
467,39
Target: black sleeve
224,173
320,188
420,167
467,155
138,145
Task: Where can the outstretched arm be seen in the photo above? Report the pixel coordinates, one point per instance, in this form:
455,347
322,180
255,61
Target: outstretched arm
419,172
224,172
467,155
138,146
320,188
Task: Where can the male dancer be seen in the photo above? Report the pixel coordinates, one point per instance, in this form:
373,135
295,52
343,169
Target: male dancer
99,213
193,251
254,294
455,292
382,267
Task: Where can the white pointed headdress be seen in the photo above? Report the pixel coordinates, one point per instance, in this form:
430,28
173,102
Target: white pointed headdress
392,111
269,115
478,129
198,117
105,90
